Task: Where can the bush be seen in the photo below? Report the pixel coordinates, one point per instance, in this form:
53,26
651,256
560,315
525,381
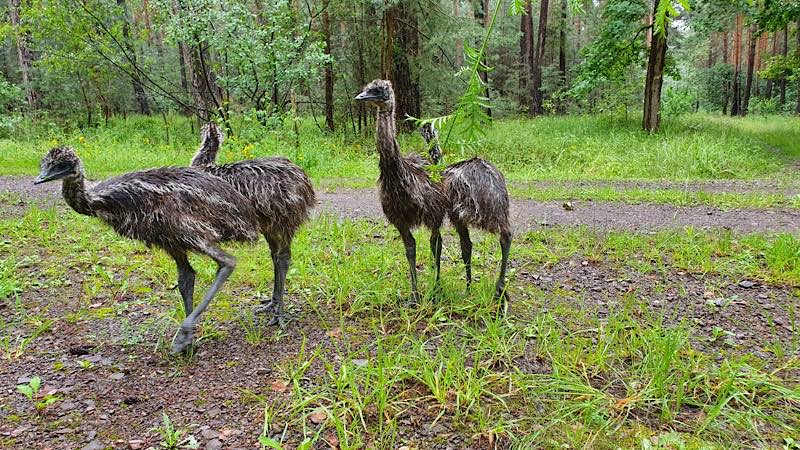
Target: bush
677,102
764,106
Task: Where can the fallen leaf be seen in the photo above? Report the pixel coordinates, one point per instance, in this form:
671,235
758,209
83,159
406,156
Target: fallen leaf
332,441
335,333
280,386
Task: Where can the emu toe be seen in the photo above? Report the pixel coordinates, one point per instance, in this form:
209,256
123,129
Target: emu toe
183,339
274,307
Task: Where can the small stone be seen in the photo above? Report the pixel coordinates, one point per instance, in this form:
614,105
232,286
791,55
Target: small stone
209,434
317,417
66,406
117,376
94,444
360,362
214,444
214,412
747,284
135,444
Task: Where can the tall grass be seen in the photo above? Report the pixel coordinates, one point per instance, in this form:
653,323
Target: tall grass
696,147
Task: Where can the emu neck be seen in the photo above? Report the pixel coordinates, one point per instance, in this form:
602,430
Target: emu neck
207,153
74,191
386,135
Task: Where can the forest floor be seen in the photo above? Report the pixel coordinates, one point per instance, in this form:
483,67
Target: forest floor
630,325
654,284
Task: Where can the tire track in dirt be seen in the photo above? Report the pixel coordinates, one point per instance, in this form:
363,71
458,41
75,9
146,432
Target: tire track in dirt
525,214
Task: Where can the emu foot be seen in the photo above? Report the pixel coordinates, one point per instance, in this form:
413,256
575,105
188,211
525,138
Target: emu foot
275,307
504,297
183,339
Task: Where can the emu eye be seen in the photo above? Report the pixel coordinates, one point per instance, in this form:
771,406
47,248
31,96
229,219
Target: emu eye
62,166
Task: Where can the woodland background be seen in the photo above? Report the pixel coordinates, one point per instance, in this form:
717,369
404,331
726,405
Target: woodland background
81,62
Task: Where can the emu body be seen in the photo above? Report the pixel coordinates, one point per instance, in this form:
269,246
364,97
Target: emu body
280,194
408,196
176,209
477,197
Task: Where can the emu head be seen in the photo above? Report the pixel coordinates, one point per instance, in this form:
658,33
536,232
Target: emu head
58,163
431,138
379,94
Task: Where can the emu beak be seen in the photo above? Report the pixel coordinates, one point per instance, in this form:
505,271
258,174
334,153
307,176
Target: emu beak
363,96
40,179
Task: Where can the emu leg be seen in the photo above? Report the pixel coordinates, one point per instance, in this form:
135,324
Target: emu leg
226,264
436,248
186,275
466,249
411,256
281,259
505,247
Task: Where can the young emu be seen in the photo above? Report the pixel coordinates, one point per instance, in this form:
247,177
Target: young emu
281,195
177,209
478,197
408,196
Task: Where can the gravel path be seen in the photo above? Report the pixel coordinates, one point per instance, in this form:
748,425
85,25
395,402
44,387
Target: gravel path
526,214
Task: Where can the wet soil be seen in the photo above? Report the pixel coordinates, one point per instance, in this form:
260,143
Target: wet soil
116,399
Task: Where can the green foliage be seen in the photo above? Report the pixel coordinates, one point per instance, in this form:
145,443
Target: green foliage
780,67
31,392
172,438
619,45
712,82
11,96
677,101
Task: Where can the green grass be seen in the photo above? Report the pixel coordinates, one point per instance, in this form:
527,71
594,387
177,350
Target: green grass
697,147
610,381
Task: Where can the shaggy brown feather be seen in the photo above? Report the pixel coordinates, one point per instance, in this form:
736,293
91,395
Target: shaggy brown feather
281,195
176,209
408,195
477,196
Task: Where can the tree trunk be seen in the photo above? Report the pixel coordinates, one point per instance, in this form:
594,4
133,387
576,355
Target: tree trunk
772,53
782,81
726,87
797,107
485,19
751,60
525,51
24,54
182,52
710,61
138,87
403,47
654,81
737,47
326,32
537,96
562,53
459,56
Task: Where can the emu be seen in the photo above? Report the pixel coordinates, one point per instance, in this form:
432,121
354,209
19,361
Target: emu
281,196
477,196
408,196
176,209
